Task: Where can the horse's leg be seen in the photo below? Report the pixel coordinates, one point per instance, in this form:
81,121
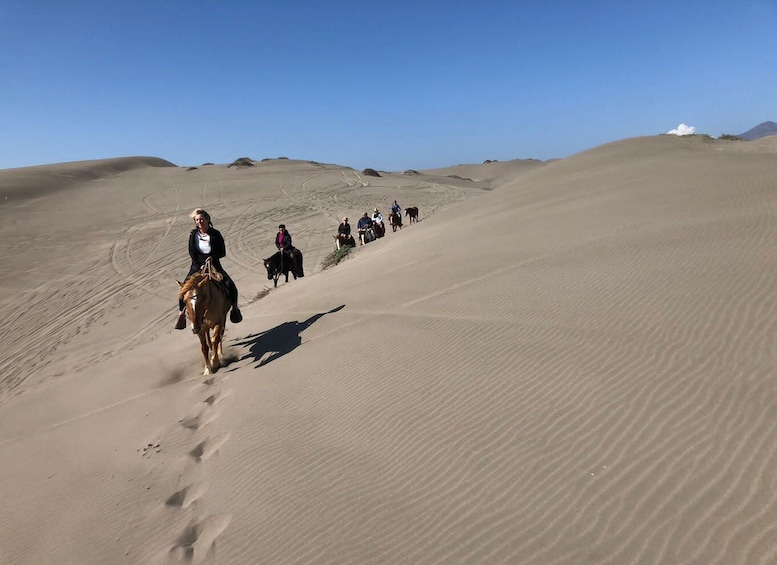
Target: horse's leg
275,278
204,339
216,348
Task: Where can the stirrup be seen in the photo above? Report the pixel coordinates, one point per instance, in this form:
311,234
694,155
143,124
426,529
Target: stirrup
235,316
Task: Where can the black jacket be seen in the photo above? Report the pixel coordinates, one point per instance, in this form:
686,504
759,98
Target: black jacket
285,241
344,229
217,250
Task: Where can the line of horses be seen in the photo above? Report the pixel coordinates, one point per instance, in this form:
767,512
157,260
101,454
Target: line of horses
378,230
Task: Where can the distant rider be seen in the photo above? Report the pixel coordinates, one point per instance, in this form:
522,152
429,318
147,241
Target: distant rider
364,226
283,243
344,228
344,234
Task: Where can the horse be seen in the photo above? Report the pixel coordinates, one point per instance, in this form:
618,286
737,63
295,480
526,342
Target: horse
395,219
207,303
366,235
279,264
342,239
413,213
379,229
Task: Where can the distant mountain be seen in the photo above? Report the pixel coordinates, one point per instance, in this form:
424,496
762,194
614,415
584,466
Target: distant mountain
761,130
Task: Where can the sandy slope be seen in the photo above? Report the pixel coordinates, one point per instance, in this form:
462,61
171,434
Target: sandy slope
576,366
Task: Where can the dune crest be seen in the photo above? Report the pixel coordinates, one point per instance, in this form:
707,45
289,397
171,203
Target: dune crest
33,182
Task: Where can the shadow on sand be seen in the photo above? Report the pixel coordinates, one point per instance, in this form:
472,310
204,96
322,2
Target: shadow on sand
280,340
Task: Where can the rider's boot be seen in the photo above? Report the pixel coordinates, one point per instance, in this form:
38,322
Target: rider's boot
234,315
181,323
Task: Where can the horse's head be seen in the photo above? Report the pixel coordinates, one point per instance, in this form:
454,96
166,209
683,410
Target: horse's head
270,268
196,295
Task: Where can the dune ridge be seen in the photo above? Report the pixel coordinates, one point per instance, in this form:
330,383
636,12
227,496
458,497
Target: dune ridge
573,366
33,182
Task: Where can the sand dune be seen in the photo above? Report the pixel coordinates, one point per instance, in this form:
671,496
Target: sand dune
562,362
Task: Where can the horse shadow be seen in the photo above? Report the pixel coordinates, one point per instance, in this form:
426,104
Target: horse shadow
279,340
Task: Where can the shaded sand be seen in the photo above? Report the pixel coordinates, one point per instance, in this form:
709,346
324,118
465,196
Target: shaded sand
566,362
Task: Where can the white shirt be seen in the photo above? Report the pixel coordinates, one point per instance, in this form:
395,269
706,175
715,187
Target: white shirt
203,243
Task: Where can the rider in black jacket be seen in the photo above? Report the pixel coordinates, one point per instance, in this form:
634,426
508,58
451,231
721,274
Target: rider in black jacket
206,242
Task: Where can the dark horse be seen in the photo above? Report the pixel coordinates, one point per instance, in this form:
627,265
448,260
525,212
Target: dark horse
413,213
280,264
395,219
379,228
342,239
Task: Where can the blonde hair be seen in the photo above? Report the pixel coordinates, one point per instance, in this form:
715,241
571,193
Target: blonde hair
201,212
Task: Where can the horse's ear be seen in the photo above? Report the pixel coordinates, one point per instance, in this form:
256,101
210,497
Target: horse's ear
179,283
203,282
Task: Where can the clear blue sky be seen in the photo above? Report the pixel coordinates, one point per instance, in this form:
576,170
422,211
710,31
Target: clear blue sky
390,84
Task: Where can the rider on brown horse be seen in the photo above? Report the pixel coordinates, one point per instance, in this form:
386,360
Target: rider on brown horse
207,243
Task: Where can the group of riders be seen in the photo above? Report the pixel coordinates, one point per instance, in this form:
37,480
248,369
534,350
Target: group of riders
207,247
368,227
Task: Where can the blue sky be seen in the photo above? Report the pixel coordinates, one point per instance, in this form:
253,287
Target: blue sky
391,85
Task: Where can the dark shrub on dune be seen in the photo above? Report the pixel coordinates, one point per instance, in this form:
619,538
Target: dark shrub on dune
370,173
729,137
192,169
411,172
206,164
241,162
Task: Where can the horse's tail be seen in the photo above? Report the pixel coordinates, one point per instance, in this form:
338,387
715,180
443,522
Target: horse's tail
298,259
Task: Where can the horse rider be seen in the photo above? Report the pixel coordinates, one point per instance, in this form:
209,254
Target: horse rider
396,208
344,228
364,225
206,242
377,217
344,232
283,243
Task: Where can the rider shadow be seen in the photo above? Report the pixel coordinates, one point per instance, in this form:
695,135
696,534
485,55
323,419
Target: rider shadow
280,340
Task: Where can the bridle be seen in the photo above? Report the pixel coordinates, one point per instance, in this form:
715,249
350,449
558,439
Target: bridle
195,297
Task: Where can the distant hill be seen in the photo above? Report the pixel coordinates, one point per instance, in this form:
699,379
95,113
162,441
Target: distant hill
761,130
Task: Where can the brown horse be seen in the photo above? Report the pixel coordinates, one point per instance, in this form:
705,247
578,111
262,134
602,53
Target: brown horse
412,213
395,219
207,305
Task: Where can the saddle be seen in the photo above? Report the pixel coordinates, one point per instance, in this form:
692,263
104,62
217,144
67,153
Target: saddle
217,277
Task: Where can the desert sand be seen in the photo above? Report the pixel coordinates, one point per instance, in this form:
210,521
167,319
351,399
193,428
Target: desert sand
565,362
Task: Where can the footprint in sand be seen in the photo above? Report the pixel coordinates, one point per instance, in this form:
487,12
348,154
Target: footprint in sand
198,541
205,449
187,495
204,417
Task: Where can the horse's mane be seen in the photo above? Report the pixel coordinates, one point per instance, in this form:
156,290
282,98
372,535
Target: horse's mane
190,284
194,281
